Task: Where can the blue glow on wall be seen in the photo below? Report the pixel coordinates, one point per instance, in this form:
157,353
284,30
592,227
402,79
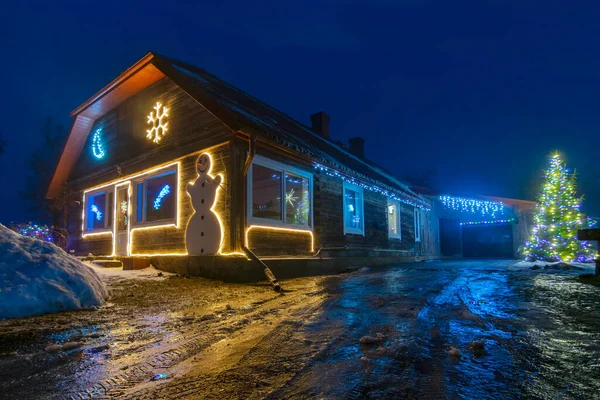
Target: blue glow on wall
161,195
97,147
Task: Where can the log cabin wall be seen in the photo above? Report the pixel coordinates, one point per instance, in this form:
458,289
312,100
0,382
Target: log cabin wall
172,239
167,239
430,236
128,151
407,230
267,242
328,217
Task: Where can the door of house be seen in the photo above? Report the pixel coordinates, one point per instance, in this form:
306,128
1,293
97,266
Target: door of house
122,221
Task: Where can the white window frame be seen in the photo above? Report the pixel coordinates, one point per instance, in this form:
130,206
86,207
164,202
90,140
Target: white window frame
397,235
417,218
106,228
134,200
349,229
283,168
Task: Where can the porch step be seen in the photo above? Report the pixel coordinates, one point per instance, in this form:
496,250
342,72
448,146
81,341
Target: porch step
108,263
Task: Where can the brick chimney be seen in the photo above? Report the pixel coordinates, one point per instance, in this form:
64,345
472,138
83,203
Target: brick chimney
320,124
357,146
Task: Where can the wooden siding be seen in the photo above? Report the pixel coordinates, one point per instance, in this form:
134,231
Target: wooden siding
407,230
128,150
172,239
328,213
168,239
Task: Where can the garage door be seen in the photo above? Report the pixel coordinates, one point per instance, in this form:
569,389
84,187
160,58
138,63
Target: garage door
490,241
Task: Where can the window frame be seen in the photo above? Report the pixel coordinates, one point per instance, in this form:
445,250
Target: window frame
107,227
283,169
348,229
135,200
417,221
397,235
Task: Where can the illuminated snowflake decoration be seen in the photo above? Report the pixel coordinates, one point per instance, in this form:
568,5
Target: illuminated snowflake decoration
97,147
290,198
157,119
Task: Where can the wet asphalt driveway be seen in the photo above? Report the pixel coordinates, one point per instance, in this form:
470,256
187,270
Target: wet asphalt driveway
540,332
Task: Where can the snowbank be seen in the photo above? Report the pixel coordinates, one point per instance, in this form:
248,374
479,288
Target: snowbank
545,265
37,277
149,273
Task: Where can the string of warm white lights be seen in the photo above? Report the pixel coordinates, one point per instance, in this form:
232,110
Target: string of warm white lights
158,122
462,204
372,188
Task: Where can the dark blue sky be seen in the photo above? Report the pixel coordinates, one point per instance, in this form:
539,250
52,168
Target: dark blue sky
481,93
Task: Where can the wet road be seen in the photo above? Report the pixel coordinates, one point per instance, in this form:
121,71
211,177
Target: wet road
541,333
212,340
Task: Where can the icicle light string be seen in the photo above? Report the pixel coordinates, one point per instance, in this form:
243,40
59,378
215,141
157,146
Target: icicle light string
372,188
483,207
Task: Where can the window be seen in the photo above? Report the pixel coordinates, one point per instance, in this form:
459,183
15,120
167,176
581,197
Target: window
394,219
156,198
266,193
279,194
417,225
98,211
353,209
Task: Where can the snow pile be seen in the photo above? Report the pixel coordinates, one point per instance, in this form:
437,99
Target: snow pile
545,265
37,277
149,273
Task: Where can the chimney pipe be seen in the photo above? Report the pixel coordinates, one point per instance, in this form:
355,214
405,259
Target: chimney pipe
357,146
320,124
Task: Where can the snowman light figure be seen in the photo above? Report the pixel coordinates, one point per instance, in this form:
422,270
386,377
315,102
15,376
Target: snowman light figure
203,235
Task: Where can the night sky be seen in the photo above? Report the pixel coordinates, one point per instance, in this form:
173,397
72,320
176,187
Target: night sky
479,94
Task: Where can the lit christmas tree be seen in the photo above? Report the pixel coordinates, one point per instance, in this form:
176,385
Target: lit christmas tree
556,220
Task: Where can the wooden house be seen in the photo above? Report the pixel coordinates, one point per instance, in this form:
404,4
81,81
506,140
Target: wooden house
168,161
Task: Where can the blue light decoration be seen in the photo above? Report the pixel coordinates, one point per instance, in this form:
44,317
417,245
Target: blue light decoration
498,221
161,195
372,188
97,147
96,211
483,207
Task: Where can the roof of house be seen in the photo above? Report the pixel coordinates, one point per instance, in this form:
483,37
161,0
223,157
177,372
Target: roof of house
236,109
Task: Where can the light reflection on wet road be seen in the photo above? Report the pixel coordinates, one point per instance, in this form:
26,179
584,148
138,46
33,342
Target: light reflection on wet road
541,332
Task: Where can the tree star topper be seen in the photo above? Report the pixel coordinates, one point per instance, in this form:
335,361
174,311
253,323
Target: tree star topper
158,121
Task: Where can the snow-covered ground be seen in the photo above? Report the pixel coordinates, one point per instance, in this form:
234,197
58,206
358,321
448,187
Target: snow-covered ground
149,273
37,277
533,265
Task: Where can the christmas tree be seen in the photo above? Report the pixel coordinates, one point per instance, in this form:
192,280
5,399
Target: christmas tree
557,218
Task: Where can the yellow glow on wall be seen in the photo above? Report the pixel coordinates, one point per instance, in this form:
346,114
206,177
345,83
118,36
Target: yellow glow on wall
234,254
128,181
158,120
273,228
212,208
